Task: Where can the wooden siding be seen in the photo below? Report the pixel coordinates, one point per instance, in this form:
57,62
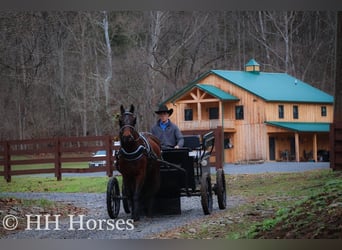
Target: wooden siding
306,112
250,136
250,141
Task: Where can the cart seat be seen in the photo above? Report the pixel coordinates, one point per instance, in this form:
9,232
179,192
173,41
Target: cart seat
192,142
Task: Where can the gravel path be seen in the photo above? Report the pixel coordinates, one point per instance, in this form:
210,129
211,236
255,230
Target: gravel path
266,167
274,167
145,228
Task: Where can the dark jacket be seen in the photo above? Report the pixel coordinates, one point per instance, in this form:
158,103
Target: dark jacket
170,137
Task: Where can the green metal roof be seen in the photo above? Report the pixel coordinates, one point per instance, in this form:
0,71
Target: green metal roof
302,126
272,87
279,87
216,92
252,62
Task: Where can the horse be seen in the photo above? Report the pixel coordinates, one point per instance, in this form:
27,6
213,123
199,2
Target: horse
138,164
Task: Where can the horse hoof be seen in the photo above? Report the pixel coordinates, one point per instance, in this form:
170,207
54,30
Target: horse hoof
135,218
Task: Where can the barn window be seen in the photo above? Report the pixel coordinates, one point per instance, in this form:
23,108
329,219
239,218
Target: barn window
295,112
281,111
323,111
239,112
213,113
188,116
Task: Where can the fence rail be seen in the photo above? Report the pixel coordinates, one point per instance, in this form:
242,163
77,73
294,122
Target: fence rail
61,150
55,151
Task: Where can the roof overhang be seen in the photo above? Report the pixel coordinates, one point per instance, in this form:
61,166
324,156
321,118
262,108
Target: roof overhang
216,92
207,88
302,126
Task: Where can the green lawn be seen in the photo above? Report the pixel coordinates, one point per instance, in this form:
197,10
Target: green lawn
285,205
50,184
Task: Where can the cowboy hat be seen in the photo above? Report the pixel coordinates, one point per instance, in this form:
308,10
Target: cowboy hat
163,109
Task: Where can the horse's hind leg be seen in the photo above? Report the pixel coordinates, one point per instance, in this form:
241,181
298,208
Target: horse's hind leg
152,189
149,206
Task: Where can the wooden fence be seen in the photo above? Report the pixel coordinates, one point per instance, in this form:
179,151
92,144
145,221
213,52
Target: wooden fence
336,146
55,152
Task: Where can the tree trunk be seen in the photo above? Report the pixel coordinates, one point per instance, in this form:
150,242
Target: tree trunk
109,60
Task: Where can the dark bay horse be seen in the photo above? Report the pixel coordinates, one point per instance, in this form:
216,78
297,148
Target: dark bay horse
138,164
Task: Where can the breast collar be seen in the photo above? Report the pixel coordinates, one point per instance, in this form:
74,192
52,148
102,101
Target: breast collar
138,153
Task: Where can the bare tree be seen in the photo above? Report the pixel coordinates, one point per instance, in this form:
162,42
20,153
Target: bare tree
66,73
109,67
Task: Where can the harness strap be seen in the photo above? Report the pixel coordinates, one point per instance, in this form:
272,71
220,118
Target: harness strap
132,156
149,151
139,152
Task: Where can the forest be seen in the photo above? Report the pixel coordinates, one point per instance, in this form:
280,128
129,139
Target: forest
66,73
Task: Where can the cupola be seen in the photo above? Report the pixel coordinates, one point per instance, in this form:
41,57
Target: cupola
252,66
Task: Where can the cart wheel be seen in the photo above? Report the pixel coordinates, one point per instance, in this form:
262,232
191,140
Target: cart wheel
221,189
206,194
113,198
125,201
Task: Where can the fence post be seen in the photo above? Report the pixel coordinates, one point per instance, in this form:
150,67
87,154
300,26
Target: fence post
58,171
219,150
7,161
109,161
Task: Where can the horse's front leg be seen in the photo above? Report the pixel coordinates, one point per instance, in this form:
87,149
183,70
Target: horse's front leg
137,196
136,206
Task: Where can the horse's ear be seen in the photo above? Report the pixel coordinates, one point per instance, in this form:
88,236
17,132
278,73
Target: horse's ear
122,109
132,108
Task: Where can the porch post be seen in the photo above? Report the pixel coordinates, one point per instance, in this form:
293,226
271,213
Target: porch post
221,115
315,147
199,111
297,146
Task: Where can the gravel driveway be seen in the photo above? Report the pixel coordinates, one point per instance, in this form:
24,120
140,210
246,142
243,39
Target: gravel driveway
274,167
146,228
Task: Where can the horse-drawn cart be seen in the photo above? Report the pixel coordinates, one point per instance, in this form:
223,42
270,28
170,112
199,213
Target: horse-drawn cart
183,172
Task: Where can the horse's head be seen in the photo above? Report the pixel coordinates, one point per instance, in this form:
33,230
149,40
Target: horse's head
127,122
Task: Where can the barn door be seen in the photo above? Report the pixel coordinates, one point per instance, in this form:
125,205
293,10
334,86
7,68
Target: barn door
272,148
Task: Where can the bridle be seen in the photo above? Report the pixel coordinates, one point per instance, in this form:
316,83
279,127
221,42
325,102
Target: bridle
138,150
131,124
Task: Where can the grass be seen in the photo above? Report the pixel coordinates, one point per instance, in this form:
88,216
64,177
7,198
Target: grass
50,184
274,204
316,216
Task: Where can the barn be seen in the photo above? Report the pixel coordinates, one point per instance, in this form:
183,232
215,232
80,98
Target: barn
262,116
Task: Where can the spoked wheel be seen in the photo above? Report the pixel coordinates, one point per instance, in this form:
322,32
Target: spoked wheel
113,198
221,189
206,194
125,201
